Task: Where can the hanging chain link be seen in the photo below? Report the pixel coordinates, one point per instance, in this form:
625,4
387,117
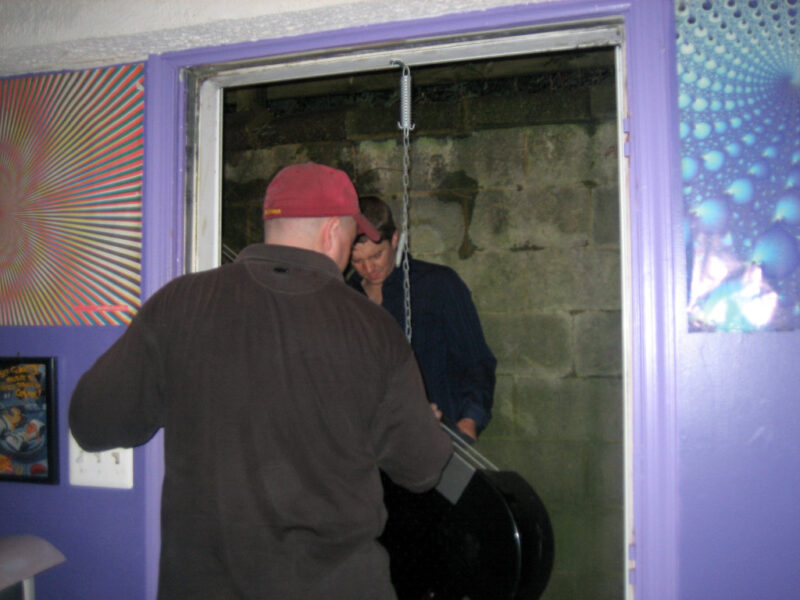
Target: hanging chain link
404,250
406,126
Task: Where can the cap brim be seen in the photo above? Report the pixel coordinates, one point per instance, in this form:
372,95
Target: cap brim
367,228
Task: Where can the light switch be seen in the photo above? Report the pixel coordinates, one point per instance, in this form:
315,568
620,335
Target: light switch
109,469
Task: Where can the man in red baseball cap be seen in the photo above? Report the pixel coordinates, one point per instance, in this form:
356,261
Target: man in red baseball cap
312,190
315,207
282,394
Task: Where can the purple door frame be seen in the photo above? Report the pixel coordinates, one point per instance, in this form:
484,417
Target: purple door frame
654,212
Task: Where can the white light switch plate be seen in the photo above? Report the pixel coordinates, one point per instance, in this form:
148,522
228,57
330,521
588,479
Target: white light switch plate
109,469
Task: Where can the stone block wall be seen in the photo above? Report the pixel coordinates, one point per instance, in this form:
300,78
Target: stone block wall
543,265
519,194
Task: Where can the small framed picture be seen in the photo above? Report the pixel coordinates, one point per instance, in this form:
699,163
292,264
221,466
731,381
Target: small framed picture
28,433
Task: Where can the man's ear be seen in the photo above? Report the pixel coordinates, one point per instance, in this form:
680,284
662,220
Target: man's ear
328,233
395,238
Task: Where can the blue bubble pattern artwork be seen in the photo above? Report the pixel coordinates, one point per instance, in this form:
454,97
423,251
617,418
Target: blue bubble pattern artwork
738,67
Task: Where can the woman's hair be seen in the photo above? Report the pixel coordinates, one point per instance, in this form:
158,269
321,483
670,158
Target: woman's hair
379,214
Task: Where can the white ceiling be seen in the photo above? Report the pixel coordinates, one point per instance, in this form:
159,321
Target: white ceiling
52,35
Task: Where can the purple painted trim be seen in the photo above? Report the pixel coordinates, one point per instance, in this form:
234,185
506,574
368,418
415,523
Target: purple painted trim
162,254
162,202
654,220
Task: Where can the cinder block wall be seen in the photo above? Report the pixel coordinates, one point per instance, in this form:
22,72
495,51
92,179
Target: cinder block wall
519,194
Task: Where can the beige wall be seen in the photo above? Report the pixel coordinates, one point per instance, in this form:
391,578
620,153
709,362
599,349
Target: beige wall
48,35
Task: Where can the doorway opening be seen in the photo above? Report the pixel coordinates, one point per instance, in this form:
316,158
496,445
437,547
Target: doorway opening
516,183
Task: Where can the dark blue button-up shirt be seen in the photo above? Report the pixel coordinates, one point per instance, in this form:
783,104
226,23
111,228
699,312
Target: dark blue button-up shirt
456,364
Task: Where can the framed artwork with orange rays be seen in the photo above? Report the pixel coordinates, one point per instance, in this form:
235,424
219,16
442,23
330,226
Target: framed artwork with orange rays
71,155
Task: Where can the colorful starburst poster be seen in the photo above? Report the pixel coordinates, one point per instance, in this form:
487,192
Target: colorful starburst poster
71,150
739,101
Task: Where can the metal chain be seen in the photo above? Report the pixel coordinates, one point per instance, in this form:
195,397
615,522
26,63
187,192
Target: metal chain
406,126
404,235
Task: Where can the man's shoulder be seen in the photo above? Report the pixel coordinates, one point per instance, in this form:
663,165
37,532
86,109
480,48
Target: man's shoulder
424,266
434,272
190,284
200,277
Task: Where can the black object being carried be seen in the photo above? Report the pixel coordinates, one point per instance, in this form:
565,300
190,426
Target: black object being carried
481,534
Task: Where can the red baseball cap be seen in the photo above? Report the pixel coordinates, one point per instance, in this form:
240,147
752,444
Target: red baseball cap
312,190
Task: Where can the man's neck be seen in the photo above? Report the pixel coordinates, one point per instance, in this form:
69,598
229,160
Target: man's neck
374,291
